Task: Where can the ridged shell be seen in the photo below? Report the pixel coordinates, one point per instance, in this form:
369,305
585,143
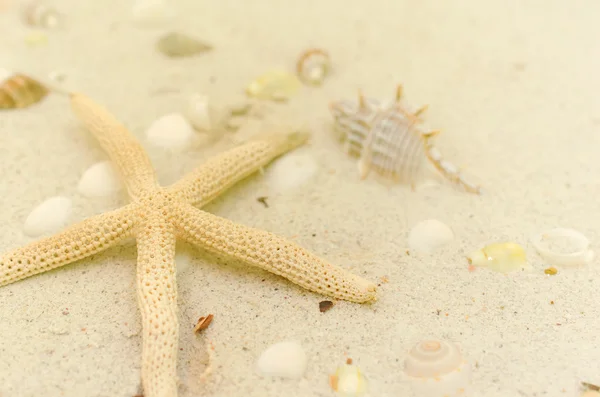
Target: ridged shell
20,91
436,368
393,148
388,139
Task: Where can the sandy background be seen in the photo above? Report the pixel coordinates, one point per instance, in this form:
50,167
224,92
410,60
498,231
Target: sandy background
514,87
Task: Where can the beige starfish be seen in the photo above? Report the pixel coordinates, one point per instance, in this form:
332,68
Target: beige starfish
157,216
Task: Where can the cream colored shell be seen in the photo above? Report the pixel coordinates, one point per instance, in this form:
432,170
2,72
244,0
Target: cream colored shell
436,368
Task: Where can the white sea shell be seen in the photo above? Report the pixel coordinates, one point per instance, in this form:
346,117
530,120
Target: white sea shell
291,171
563,247
436,368
152,13
429,235
284,359
349,381
48,217
171,131
198,112
100,180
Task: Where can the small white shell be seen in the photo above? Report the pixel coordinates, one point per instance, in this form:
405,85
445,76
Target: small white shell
429,235
198,112
348,381
48,217
171,131
41,15
284,359
100,180
436,368
313,66
570,247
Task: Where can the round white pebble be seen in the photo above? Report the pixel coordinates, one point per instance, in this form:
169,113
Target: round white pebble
48,217
284,359
429,235
291,171
171,131
99,180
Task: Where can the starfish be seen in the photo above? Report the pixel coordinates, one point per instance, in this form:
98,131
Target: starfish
157,216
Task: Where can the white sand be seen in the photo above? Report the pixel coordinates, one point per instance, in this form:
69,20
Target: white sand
516,93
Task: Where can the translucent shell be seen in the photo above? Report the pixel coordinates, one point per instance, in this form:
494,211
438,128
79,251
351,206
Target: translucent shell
563,247
348,381
274,85
500,257
313,66
436,368
20,91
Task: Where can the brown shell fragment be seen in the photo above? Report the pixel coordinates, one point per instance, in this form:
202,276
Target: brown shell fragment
325,305
20,91
203,323
313,66
178,45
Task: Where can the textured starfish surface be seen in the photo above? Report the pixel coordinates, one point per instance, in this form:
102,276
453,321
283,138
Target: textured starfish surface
157,216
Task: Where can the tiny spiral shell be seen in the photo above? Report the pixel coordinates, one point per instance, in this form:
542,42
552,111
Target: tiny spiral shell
41,15
20,91
313,66
437,368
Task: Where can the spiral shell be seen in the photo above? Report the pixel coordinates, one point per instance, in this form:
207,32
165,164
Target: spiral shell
41,15
313,66
389,139
436,368
19,91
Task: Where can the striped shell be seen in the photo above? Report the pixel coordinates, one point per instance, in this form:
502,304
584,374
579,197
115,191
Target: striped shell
388,140
20,91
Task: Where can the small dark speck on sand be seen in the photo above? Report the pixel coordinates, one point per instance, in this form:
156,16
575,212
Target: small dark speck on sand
263,201
325,305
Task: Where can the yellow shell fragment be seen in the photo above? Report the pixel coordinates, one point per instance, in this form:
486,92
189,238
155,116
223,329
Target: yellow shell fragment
348,381
499,257
274,85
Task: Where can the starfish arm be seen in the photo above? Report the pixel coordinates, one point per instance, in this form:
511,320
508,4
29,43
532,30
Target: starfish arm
78,241
270,252
122,147
157,299
219,173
